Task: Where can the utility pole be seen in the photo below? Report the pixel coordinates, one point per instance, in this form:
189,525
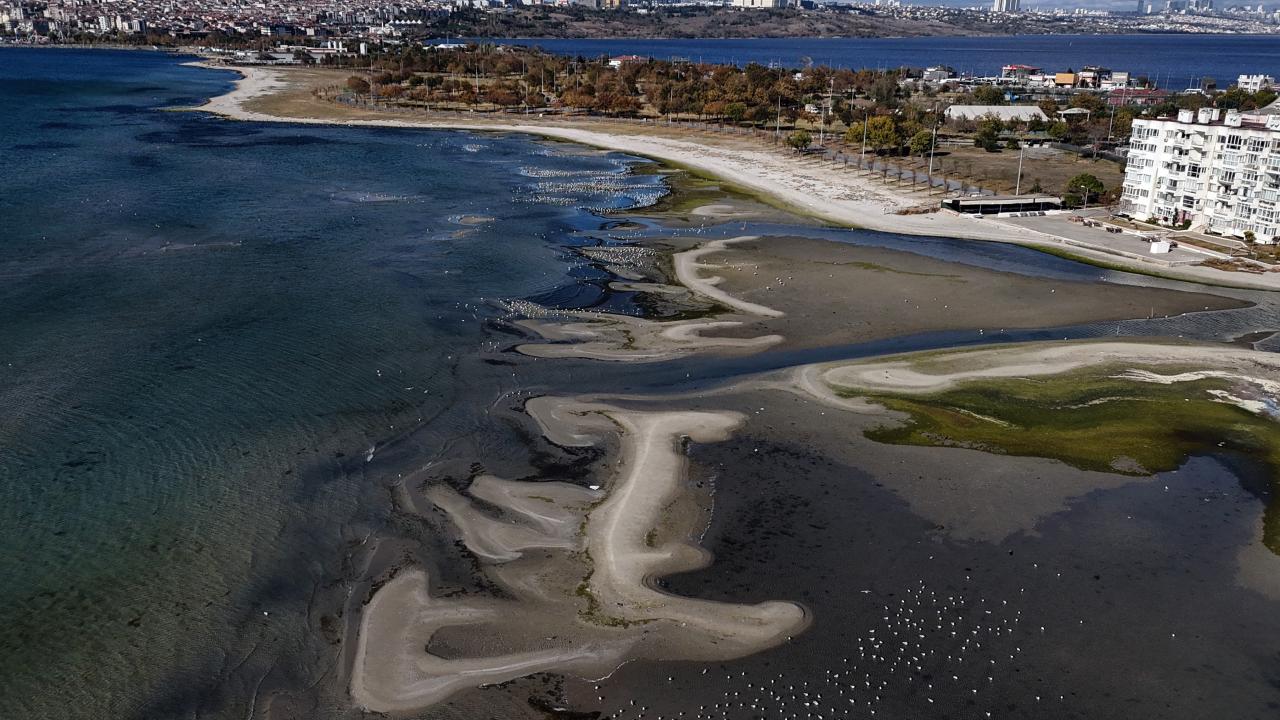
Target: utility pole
933,146
826,108
777,127
1017,190
1111,125
862,162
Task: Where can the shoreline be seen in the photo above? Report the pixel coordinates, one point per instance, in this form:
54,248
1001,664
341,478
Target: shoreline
393,507
843,199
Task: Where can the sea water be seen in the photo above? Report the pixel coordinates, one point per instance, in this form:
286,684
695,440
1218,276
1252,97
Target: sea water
206,328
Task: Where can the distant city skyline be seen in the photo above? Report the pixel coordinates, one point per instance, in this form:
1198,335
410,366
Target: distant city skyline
1112,5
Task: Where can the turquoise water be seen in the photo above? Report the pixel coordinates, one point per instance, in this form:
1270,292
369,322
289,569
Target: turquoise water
204,326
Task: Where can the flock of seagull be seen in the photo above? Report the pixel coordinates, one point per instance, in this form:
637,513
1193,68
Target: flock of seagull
925,653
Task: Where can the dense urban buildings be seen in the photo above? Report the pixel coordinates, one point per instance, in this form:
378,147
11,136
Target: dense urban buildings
80,20
1209,170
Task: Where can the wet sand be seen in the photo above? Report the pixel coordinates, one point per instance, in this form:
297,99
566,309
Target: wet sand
575,566
833,293
592,568
936,372
797,293
951,583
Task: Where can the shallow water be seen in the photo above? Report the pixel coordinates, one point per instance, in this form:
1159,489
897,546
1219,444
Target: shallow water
222,344
206,328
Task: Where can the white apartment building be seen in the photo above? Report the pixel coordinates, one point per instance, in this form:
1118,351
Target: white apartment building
1006,6
1220,172
1254,83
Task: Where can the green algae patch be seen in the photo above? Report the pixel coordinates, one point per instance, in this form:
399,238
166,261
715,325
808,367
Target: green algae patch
688,192
1090,420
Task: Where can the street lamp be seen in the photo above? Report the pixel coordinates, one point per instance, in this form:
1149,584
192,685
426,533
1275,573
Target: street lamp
862,162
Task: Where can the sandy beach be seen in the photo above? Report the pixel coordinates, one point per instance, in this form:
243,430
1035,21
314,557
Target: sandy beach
937,372
827,192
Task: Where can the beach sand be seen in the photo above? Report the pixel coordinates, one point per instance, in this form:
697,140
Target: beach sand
818,189
937,372
797,293
576,568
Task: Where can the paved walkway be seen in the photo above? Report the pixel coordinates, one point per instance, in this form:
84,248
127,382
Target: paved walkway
1116,243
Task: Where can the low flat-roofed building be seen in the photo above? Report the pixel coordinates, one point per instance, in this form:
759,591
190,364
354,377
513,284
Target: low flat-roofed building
1018,72
997,204
1006,113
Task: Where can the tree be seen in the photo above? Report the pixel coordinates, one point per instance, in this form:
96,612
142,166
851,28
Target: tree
1089,101
853,135
357,85
1012,144
921,142
735,111
987,137
800,140
1083,186
988,95
879,131
882,133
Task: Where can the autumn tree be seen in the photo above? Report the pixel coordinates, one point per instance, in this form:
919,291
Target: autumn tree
800,140
882,133
988,95
358,85
921,142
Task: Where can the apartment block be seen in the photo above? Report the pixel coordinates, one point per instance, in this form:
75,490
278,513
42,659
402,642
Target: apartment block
1218,171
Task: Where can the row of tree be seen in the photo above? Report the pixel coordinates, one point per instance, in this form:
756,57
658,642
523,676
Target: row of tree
870,105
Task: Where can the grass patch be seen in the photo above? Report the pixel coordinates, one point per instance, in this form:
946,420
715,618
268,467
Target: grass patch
1091,421
686,192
